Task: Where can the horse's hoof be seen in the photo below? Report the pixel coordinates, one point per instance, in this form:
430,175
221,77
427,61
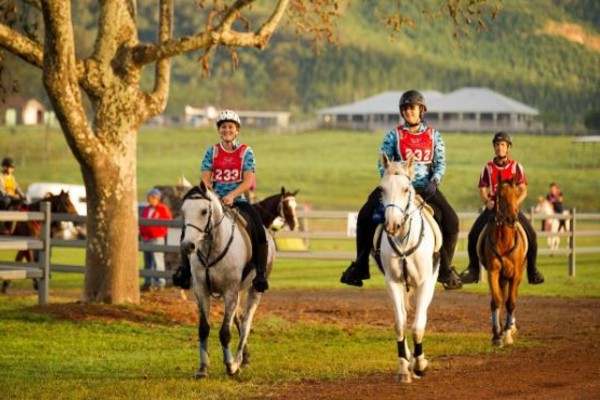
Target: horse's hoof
202,372
497,342
201,375
507,337
420,365
404,378
233,369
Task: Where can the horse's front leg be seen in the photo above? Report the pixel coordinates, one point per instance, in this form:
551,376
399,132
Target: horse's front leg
510,327
424,295
203,301
231,304
496,291
397,296
242,355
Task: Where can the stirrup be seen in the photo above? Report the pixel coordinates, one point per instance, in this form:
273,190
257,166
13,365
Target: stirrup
451,281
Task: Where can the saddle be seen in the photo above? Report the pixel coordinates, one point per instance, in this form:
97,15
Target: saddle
427,216
483,235
243,225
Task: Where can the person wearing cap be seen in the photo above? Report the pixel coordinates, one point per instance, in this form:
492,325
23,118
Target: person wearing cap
425,144
505,167
11,195
154,261
228,167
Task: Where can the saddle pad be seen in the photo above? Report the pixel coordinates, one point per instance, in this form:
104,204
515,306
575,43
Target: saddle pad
242,225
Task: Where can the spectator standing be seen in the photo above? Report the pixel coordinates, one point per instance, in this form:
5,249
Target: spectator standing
555,197
154,235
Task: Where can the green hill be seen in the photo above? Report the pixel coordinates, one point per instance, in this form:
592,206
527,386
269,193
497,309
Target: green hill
544,53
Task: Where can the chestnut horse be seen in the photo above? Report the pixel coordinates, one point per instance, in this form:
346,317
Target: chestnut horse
503,247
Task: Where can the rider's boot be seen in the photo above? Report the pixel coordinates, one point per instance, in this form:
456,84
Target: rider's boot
355,274
534,276
449,278
183,276
260,282
470,275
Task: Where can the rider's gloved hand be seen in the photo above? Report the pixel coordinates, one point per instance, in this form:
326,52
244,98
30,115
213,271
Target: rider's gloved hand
430,189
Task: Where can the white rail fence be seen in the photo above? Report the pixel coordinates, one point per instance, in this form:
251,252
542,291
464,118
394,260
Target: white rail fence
334,227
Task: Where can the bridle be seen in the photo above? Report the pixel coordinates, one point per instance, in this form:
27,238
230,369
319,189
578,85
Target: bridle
208,232
406,217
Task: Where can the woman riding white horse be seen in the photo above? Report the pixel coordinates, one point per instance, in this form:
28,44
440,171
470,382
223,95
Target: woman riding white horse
410,259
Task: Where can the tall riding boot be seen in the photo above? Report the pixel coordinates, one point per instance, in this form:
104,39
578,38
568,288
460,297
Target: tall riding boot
183,276
260,261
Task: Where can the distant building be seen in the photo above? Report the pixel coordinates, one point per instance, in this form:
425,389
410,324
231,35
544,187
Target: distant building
468,109
21,111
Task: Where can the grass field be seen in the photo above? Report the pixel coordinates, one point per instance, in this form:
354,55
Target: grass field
46,358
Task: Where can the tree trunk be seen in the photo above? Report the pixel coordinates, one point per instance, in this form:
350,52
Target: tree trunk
112,271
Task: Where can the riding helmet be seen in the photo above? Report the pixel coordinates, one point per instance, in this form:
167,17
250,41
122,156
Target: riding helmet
412,97
228,115
502,136
8,162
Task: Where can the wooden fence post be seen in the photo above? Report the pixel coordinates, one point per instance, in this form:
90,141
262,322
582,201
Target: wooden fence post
44,255
572,244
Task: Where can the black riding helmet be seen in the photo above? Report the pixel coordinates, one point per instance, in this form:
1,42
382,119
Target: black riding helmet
502,136
412,97
8,162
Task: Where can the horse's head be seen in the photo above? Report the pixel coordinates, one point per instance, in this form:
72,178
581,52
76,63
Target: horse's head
507,205
60,203
287,208
397,193
200,208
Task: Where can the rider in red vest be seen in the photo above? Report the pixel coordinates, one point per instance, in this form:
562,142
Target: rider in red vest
425,144
228,168
505,167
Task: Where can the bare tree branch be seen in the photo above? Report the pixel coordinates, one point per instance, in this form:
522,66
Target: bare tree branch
106,44
221,34
21,46
157,100
60,74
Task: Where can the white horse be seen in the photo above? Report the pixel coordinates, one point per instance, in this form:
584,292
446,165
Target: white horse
220,254
551,224
410,262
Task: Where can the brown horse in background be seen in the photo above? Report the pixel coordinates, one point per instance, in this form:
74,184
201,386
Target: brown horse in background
60,204
503,249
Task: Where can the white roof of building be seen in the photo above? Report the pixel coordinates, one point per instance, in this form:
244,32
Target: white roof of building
383,103
468,99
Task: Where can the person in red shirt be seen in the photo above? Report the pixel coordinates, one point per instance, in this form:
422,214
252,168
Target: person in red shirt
154,235
507,168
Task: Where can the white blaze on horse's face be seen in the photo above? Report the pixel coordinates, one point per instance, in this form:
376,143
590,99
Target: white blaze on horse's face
289,212
397,195
196,216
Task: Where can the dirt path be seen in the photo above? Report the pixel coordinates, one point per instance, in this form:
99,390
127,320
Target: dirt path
566,366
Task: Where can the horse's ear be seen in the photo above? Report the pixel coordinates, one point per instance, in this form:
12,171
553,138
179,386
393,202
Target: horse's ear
203,187
296,192
385,161
409,165
283,191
